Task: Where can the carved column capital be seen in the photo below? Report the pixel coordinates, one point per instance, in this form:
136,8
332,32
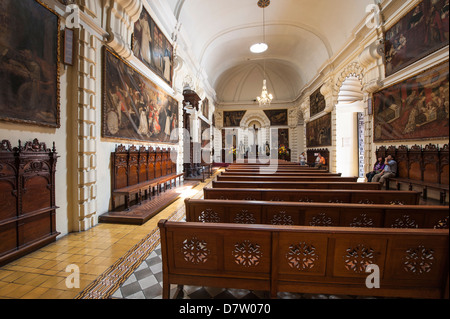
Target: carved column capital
121,16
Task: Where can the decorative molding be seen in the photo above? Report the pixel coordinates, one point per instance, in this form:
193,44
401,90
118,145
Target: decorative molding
120,18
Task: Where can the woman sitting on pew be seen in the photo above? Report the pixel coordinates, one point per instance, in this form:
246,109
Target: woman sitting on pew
377,168
390,170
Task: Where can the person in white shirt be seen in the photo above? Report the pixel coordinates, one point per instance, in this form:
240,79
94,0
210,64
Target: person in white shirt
302,159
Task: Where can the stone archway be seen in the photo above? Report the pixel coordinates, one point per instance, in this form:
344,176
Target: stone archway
255,128
348,113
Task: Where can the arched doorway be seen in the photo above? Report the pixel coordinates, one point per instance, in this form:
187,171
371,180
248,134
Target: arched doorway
349,142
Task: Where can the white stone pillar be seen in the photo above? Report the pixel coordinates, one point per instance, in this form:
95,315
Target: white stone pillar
86,212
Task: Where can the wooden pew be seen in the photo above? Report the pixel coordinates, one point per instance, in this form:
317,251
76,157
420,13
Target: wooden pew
316,214
413,263
296,185
315,195
249,173
287,178
274,167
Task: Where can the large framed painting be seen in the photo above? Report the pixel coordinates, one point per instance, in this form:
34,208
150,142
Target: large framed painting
317,103
318,132
205,133
232,118
205,108
283,137
420,32
414,109
152,47
134,108
277,117
29,68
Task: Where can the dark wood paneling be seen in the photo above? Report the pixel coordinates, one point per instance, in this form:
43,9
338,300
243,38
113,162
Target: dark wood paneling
27,193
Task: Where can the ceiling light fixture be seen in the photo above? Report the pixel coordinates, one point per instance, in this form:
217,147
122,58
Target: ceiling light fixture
265,97
261,46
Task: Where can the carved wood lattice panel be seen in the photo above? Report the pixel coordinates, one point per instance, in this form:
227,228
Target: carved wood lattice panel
195,251
247,254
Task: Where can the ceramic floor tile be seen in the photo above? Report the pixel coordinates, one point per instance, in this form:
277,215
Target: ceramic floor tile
41,274
36,293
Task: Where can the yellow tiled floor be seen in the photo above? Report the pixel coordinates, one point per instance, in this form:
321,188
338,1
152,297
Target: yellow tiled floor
42,274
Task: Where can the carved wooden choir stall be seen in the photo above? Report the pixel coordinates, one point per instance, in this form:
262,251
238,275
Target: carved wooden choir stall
27,197
140,173
423,167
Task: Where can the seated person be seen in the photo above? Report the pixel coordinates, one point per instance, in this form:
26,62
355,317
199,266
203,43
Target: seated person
302,159
320,161
390,170
377,168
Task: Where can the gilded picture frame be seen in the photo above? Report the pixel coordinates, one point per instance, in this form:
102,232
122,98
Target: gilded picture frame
30,63
152,47
277,117
134,108
414,109
318,132
422,31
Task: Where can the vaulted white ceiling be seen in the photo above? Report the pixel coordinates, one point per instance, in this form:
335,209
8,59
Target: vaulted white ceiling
302,36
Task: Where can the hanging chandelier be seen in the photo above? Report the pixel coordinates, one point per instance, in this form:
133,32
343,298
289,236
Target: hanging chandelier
265,97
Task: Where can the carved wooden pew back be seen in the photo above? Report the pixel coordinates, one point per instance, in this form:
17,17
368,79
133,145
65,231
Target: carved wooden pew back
283,178
296,185
316,214
316,195
412,263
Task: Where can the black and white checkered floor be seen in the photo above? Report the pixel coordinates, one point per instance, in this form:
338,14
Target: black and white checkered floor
146,283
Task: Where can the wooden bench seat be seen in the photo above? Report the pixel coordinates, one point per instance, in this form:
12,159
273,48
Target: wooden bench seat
316,214
315,195
296,185
287,178
442,188
307,173
278,168
412,263
147,186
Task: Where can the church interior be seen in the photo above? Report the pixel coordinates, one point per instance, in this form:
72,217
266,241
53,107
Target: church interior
241,149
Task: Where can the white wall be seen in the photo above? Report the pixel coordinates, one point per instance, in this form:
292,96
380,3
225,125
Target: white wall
347,158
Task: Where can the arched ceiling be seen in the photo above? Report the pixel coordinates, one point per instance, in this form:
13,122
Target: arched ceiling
302,36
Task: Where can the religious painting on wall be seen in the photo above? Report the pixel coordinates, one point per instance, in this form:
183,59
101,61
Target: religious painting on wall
134,108
29,68
205,133
317,103
414,109
421,32
205,108
232,118
318,132
152,47
283,137
277,117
